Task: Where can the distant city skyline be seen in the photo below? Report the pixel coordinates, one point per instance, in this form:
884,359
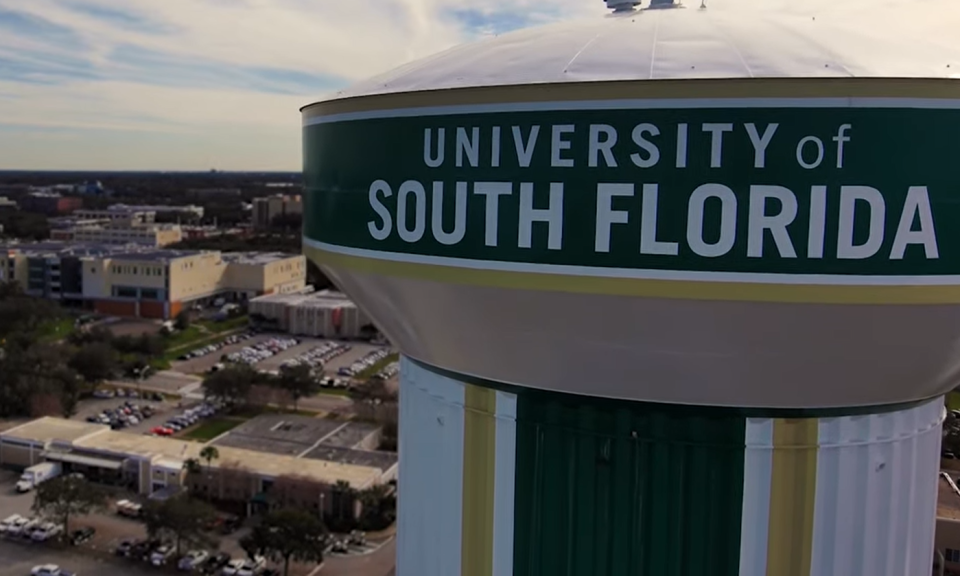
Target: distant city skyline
198,84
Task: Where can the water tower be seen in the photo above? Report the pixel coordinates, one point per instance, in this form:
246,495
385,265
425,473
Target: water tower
677,288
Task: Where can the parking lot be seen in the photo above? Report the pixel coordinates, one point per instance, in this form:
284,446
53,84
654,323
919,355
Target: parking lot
280,348
94,407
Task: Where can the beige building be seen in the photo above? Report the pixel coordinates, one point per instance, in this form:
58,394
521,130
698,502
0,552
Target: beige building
324,314
128,215
267,208
124,232
158,284
147,464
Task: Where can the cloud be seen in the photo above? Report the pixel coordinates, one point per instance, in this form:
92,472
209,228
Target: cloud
194,84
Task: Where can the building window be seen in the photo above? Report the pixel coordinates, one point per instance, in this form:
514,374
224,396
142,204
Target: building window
951,555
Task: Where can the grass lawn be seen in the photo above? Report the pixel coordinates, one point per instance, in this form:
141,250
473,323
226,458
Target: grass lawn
200,334
210,429
55,330
389,359
224,325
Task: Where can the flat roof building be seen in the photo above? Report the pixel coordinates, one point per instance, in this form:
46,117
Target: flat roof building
150,464
145,281
326,313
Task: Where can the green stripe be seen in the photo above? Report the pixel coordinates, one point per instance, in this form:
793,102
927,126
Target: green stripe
625,488
702,411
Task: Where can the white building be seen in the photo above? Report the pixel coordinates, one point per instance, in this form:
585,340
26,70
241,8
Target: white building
323,314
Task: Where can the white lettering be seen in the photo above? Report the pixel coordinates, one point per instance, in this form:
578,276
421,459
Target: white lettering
716,141
760,143
470,147
648,226
495,148
428,159
525,151
818,221
840,138
681,145
916,205
849,195
728,220
552,215
606,215
459,214
383,231
604,146
558,145
777,224
420,211
653,152
493,191
819,144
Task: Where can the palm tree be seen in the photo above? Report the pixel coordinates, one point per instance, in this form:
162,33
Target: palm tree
209,454
192,466
344,493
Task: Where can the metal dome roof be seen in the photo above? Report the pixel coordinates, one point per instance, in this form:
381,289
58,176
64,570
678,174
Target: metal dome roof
728,39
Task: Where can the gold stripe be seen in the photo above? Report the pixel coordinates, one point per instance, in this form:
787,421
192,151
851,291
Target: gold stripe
792,492
646,89
479,453
676,289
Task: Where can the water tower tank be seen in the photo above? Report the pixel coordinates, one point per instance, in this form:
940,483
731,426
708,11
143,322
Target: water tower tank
677,288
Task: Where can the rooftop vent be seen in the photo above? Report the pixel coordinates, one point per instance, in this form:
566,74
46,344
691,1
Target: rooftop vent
622,5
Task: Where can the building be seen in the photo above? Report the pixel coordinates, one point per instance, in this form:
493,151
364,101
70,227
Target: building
186,210
322,314
124,232
8,204
50,203
132,280
126,214
251,274
150,464
266,209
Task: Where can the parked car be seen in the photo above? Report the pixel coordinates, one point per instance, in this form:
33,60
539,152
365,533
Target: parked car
50,570
129,509
46,531
214,563
123,548
244,567
10,521
193,559
82,535
160,556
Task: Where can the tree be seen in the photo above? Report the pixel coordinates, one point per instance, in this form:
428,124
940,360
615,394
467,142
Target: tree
231,385
66,496
95,362
209,454
299,381
182,321
343,495
181,518
379,507
192,466
285,535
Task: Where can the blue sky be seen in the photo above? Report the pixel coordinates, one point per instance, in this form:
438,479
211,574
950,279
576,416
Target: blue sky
198,84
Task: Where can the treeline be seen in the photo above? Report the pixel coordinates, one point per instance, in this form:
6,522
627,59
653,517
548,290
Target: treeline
46,364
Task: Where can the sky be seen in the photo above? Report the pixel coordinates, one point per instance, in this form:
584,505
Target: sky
209,84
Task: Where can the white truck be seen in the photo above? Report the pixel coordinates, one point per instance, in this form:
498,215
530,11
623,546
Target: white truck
35,475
